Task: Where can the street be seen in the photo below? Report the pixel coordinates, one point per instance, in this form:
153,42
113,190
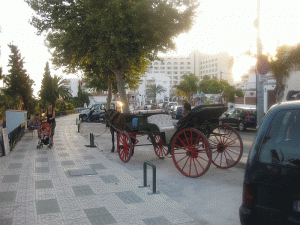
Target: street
213,198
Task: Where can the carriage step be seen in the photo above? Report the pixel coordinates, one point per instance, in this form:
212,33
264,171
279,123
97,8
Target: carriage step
153,179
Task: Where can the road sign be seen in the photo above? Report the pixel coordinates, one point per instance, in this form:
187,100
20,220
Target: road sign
263,64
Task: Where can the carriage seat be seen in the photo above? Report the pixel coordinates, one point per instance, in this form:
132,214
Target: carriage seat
163,121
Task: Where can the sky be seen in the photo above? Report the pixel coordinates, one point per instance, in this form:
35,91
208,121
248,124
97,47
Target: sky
220,26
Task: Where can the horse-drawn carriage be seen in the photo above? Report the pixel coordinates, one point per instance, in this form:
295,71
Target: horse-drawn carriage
194,142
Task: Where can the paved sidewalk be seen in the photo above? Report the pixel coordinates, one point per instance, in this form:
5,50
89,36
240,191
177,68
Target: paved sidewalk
75,184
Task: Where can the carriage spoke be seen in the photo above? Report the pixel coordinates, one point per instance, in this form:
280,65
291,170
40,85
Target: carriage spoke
187,139
200,164
195,166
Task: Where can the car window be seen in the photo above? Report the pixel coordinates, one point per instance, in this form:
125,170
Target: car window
281,144
230,111
96,106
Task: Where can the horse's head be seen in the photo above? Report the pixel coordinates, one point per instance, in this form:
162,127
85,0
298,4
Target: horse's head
108,115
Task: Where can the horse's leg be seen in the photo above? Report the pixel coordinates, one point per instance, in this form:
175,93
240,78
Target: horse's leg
112,139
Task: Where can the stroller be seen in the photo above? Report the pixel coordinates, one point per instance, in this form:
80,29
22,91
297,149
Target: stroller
44,136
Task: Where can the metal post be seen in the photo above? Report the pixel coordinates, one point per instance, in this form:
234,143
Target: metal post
153,179
78,127
259,82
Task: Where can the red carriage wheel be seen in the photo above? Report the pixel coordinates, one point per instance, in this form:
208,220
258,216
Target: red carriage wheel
191,152
226,147
161,151
124,146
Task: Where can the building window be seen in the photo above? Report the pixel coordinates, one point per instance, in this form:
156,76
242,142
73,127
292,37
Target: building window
162,71
182,63
182,72
175,72
169,72
175,67
189,63
156,63
169,68
176,77
162,67
188,67
156,68
168,63
175,63
182,67
216,64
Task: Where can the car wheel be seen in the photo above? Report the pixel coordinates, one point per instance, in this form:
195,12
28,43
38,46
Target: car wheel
241,126
220,123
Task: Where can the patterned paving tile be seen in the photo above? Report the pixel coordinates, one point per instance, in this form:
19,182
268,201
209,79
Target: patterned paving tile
129,197
82,172
87,157
97,166
82,190
68,163
18,156
47,206
41,160
64,154
99,216
110,179
39,152
157,220
41,184
8,196
10,178
6,221
15,166
42,169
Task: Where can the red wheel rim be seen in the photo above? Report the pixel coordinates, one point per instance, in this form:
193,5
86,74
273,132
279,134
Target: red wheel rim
161,151
226,147
124,147
191,152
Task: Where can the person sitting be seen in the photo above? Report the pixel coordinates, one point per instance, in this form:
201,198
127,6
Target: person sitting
34,123
186,109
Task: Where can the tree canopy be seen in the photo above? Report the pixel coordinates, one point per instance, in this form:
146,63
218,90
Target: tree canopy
155,90
286,57
188,86
114,34
18,82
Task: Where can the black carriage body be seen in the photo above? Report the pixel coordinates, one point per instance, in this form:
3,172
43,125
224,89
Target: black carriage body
204,118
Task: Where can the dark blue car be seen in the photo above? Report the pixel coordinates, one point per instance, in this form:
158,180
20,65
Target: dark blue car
242,118
271,189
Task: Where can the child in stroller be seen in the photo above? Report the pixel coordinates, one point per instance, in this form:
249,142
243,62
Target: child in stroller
44,135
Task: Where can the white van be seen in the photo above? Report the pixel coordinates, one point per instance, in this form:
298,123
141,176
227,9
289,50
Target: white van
99,108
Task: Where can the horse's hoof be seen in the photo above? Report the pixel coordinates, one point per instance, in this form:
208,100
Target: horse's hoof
112,151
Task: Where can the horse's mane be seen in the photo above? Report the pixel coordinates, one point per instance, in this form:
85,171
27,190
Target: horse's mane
116,119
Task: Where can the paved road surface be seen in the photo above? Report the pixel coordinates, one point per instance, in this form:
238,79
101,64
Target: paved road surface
213,198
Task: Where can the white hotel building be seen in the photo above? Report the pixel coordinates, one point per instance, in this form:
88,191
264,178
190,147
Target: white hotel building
215,66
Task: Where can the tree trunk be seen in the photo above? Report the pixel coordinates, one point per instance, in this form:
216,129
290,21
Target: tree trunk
279,91
109,96
121,88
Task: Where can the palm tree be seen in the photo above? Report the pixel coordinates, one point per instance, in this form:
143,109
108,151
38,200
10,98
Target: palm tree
154,90
188,86
59,87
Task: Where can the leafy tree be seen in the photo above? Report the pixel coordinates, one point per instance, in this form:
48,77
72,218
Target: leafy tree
59,87
281,66
119,35
18,83
46,93
188,86
83,97
215,86
155,90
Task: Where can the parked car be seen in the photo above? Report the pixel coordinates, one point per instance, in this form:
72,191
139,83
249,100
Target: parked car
98,108
271,191
242,118
170,107
177,112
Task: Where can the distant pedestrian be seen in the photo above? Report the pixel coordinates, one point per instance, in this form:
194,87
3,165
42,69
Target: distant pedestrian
186,108
50,115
